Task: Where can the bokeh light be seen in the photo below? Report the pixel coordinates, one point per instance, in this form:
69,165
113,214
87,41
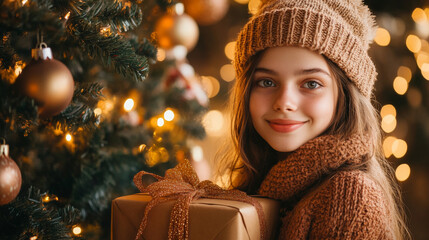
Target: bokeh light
419,15
197,153
405,72
160,122
210,85
169,115
399,148
230,50
413,43
129,104
213,122
388,123
403,172
400,85
227,72
77,230
69,137
254,6
388,109
382,37
387,146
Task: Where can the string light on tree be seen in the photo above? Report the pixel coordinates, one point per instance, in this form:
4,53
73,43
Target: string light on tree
168,115
77,230
69,137
10,176
46,80
129,104
160,122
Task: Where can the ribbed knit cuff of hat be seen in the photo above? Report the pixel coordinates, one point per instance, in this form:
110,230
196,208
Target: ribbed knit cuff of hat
313,30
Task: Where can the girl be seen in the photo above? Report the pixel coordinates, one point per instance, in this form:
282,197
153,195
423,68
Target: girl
304,129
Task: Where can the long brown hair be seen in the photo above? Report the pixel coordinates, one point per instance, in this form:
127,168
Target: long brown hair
249,158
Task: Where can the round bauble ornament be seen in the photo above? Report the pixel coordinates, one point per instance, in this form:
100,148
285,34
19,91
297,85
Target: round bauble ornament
176,29
10,176
48,81
206,12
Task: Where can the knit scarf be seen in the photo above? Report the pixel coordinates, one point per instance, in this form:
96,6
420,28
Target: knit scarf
309,163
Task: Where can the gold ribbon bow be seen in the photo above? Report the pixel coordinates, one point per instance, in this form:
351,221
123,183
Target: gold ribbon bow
182,184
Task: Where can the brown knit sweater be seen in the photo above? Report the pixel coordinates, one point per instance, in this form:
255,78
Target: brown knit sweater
321,201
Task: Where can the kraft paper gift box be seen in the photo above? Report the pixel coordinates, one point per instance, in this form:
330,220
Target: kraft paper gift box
208,219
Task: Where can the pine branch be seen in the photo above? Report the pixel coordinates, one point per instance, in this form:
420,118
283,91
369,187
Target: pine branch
113,50
28,216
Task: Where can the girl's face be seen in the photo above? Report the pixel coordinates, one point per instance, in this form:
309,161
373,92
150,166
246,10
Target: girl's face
293,97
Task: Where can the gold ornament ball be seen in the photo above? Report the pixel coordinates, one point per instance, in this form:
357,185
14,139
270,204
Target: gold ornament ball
10,180
206,12
174,29
50,83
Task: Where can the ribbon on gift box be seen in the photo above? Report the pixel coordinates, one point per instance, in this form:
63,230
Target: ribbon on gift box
182,184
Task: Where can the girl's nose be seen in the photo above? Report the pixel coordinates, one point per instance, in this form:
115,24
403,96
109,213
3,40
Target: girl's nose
286,100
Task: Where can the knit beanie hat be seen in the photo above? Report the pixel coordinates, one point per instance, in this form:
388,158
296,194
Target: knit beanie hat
339,29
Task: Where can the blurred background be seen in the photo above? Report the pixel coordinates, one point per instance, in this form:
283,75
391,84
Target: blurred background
151,84
401,54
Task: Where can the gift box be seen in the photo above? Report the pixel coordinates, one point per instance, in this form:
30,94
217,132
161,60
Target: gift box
208,218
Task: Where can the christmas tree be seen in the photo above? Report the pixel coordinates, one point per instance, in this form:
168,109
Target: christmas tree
83,107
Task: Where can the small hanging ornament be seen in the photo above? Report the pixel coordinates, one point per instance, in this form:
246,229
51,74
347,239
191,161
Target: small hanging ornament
10,176
206,12
46,80
177,28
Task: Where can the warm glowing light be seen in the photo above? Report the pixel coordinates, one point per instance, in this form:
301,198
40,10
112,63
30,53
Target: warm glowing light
400,85
69,137
388,109
242,1
18,70
142,147
197,153
169,115
403,172
160,55
230,50
179,8
213,122
419,15
387,146
67,16
405,72
388,123
33,238
227,72
421,59
105,31
77,230
24,2
254,6
399,148
49,198
129,104
413,43
160,122
382,37
98,111
210,85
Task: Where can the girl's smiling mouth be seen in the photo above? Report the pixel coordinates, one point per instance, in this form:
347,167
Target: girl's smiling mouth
285,125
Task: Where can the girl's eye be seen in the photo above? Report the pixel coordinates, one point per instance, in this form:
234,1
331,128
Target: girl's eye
312,85
266,83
